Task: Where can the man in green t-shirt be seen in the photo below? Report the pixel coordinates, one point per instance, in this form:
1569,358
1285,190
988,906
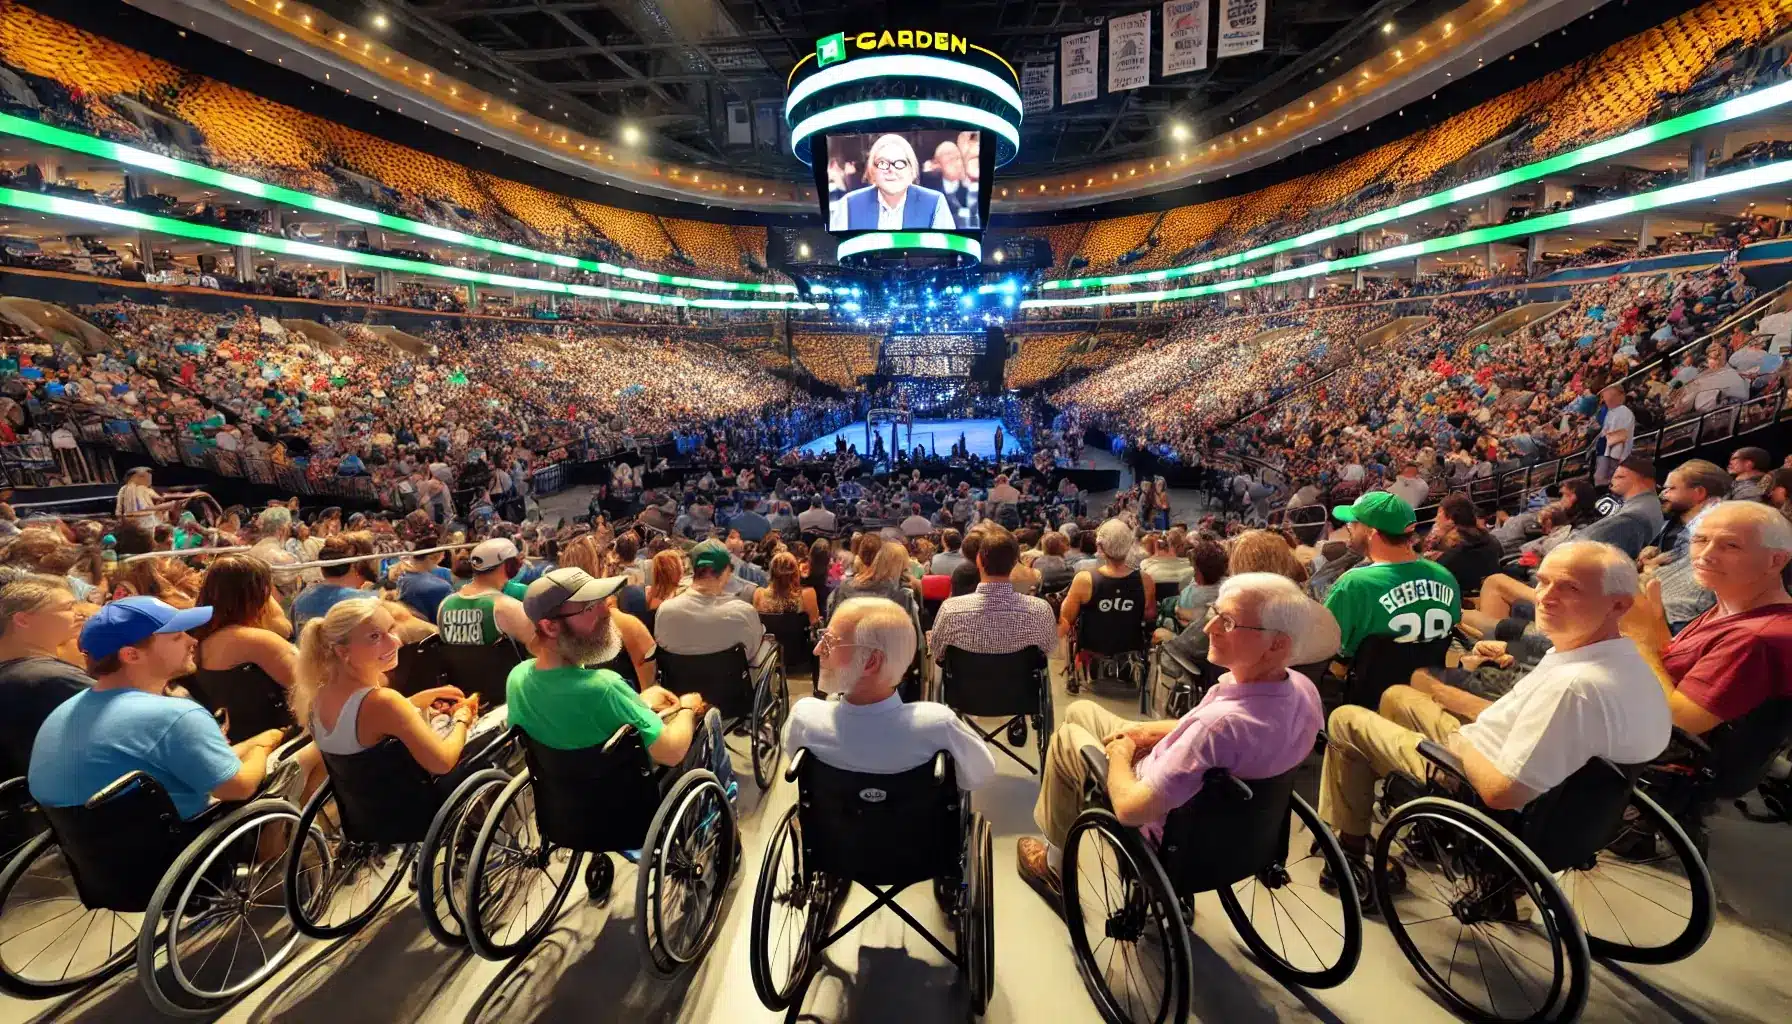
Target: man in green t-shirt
1393,592
564,704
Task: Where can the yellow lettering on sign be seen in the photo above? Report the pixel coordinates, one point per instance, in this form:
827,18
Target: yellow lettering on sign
911,39
958,44
886,40
923,39
905,38
865,40
941,40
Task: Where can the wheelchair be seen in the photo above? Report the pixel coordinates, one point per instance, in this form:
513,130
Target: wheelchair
20,820
1129,900
1509,907
381,815
752,694
1697,772
123,877
598,801
886,833
1126,669
1016,685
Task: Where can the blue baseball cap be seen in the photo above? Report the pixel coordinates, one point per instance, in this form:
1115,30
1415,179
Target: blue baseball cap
129,621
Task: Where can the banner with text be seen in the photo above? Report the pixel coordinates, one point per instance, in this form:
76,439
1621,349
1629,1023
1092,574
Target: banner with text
1185,36
1241,27
1036,87
1078,61
1129,51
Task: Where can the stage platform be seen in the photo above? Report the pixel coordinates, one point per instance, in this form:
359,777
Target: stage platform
935,435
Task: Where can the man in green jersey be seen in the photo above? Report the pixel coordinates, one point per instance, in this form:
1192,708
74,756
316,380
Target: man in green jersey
1394,592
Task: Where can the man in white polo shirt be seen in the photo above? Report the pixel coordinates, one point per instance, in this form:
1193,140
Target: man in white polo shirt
869,644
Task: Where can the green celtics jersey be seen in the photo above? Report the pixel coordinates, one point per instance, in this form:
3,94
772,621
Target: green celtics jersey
468,621
1413,602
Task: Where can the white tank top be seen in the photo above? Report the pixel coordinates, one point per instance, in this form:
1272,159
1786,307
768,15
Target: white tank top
344,739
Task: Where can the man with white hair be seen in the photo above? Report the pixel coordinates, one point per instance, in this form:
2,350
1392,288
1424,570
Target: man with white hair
892,202
1591,696
1737,654
272,528
1114,599
868,645
1257,722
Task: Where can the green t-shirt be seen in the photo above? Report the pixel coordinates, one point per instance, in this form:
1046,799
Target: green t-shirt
1413,602
575,708
468,621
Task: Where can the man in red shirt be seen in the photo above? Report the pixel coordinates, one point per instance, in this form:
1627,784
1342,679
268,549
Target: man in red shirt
1737,655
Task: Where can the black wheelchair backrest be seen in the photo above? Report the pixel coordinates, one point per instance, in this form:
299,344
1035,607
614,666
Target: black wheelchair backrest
993,684
793,635
481,669
382,794
1570,823
420,666
723,678
1167,590
254,702
120,843
1381,662
1743,750
1229,831
880,829
595,799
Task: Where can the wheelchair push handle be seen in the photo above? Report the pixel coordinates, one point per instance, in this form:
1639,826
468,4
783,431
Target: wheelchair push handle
796,764
117,787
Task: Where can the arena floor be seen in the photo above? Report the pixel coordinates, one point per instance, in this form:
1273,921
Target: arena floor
936,435
588,968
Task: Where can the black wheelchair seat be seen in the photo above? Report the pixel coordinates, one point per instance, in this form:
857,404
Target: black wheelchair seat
382,794
597,799
121,842
993,684
481,669
1381,662
1251,815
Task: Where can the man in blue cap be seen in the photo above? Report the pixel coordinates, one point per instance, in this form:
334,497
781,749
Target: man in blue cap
127,722
1393,592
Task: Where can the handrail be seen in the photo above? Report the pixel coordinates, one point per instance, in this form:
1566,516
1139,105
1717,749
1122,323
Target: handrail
1753,308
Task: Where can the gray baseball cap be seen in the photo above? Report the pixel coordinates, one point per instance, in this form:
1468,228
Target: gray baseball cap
566,586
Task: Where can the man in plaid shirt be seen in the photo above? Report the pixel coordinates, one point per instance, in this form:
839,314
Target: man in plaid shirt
995,619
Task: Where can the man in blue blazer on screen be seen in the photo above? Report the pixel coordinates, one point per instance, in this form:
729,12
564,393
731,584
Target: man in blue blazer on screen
892,202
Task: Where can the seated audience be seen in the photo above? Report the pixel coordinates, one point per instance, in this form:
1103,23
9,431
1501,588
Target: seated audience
994,619
707,618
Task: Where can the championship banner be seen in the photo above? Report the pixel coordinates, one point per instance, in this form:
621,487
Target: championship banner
1185,36
1129,51
1036,87
1241,27
1077,61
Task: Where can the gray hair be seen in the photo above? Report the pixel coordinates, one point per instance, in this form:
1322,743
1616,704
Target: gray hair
1617,577
274,518
880,623
1282,606
1114,539
1772,531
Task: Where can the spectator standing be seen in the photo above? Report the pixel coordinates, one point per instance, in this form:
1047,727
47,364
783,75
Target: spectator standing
1616,434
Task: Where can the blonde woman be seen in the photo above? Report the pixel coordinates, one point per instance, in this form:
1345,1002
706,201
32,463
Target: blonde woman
342,697
886,576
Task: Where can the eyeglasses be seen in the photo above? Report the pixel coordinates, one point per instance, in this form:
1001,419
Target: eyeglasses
829,643
1228,624
577,609
890,165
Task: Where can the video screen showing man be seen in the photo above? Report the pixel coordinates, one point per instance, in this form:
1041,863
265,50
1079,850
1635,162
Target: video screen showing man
897,190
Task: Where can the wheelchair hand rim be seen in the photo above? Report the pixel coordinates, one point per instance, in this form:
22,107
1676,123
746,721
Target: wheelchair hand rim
1146,902
674,856
272,874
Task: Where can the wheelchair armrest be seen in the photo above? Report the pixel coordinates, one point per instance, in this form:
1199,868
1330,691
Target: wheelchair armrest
116,788
1693,743
1097,761
504,740
796,762
767,652
1443,759
939,767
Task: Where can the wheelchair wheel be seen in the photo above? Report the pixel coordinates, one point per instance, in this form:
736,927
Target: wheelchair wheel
686,866
20,820
516,881
51,942
335,888
1655,910
1300,934
1480,918
1130,941
227,929
789,916
977,917
771,701
448,849
1042,723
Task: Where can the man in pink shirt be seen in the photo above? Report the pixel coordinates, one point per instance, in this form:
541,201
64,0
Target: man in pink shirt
1259,721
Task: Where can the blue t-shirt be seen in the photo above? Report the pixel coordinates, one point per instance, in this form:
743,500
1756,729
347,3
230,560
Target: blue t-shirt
96,737
423,592
318,600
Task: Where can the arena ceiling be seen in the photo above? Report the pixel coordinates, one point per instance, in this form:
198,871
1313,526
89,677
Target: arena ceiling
672,67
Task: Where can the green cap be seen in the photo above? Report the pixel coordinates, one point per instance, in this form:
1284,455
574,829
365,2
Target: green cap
1379,510
711,555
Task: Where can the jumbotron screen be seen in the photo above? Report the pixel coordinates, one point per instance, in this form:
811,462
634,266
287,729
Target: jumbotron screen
930,355
904,181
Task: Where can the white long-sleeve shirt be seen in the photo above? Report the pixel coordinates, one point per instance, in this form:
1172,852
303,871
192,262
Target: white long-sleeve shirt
887,737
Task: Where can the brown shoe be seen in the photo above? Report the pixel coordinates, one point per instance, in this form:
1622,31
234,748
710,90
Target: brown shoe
1030,861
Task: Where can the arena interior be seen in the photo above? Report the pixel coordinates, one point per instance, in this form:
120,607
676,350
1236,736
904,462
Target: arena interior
722,511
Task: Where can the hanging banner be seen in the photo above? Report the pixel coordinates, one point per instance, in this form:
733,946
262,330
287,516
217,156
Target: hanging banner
1036,87
1077,60
1185,36
1241,27
1129,51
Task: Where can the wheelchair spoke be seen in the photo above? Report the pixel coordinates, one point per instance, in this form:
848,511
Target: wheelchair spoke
1493,947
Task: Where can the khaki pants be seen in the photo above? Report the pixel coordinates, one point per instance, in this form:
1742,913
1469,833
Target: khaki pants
1086,723
1364,746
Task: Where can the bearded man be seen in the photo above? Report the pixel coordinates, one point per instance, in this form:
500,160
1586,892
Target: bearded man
869,644
563,703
